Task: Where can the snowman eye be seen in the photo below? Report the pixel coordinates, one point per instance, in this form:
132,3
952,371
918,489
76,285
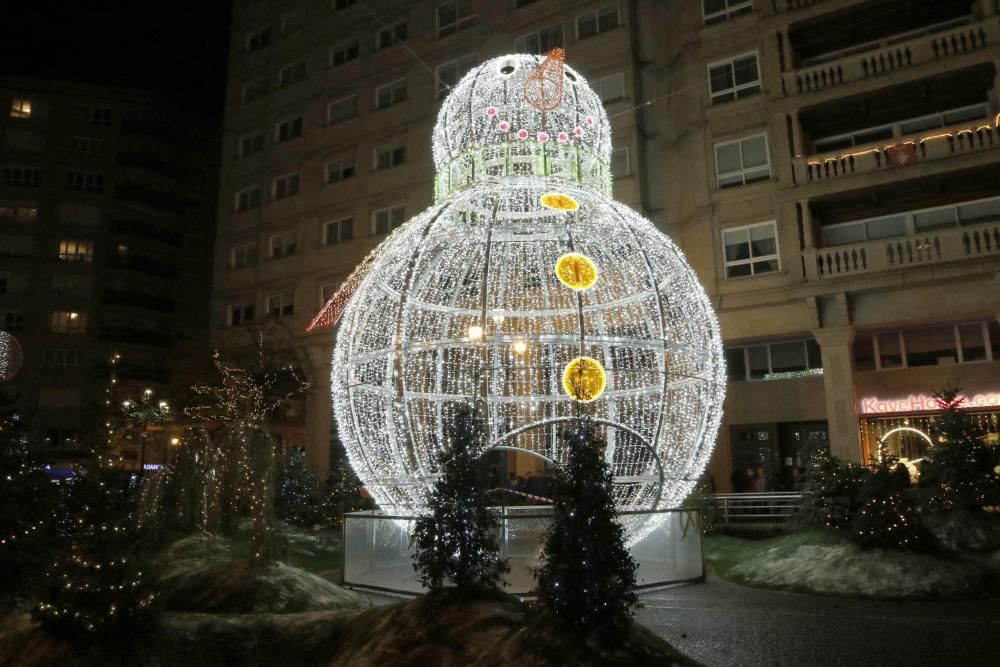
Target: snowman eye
507,67
569,75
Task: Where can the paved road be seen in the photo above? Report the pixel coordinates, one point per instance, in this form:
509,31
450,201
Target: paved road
721,624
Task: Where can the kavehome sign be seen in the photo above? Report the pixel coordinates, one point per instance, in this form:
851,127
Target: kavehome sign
874,405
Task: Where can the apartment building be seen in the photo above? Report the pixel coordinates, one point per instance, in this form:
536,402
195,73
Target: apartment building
828,166
107,200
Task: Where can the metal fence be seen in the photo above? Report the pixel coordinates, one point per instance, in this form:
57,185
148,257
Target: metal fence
751,511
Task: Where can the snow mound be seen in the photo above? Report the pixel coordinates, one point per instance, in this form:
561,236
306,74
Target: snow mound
845,570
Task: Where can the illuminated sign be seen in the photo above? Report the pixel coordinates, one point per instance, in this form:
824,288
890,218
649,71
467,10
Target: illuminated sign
874,405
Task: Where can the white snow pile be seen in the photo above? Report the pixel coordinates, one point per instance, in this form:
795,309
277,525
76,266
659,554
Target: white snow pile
845,570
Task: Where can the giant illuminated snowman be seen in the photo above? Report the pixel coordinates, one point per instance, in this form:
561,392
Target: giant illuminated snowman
526,287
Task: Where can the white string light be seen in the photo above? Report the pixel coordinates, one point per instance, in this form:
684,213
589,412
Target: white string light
11,356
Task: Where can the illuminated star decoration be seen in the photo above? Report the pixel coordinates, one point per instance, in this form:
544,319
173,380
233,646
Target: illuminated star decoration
244,394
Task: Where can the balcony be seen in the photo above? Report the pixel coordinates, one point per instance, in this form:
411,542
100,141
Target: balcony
937,144
124,334
923,249
893,54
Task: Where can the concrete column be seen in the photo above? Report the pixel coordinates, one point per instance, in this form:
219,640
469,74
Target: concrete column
798,148
786,46
838,383
988,7
319,416
808,229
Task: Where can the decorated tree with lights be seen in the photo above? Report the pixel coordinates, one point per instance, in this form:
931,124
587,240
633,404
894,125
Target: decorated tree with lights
830,489
887,516
587,575
457,542
299,499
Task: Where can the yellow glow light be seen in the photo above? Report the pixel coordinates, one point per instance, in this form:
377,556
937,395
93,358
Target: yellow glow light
475,332
559,202
519,346
576,271
584,379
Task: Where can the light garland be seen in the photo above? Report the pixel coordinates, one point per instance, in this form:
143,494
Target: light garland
11,356
464,301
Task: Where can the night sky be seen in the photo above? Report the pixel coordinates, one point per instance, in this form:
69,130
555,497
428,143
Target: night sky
176,47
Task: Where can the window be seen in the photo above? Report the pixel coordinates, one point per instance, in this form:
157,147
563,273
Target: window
610,88
76,251
597,21
337,231
290,74
344,53
86,146
390,35
734,79
253,90
777,360
280,305
84,181
288,129
339,170
342,109
247,198
717,11
3,284
19,213
68,322
326,292
86,113
541,42
62,359
523,3
22,177
390,93
342,4
285,186
240,313
68,284
384,220
876,133
258,39
13,320
122,249
742,161
451,73
250,144
941,345
620,165
389,156
293,20
20,108
751,250
281,245
455,15
244,254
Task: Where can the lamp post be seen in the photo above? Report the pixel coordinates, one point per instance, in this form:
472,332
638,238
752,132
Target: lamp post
141,415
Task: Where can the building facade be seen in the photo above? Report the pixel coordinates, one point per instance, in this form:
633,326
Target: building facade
107,204
828,166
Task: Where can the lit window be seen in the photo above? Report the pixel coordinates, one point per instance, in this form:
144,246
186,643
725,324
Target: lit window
240,313
390,35
389,156
733,79
610,88
282,245
247,198
280,305
342,109
455,15
20,108
244,254
292,21
122,250
620,163
84,181
68,322
253,90
22,177
288,129
339,170
774,361
338,231
76,251
285,186
258,39
751,250
390,93
541,42
385,220
717,11
250,144
451,73
743,161
13,320
344,53
597,21
290,74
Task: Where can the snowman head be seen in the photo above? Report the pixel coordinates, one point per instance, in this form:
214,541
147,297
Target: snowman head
521,115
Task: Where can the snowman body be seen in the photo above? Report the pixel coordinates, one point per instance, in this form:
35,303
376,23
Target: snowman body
523,267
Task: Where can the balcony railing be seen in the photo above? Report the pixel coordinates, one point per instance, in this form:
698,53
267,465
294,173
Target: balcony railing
960,139
890,55
936,247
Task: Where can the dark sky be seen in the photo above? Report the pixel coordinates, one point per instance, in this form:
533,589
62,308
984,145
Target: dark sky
176,47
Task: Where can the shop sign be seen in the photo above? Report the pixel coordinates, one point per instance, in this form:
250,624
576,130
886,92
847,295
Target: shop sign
874,405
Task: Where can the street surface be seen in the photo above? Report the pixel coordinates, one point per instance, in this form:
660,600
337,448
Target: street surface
722,624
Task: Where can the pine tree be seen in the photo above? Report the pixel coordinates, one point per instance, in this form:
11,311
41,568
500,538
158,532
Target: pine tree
298,500
887,517
344,492
587,575
457,542
960,470
829,491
